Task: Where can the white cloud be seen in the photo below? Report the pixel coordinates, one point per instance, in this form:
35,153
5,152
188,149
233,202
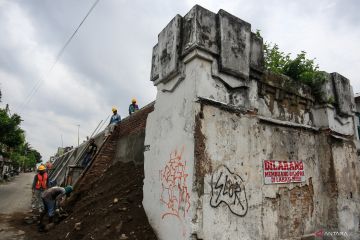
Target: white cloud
108,61
63,98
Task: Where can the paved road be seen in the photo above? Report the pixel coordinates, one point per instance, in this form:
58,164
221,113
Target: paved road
15,196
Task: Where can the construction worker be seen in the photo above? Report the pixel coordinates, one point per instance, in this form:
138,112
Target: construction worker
133,106
114,120
52,198
90,152
40,184
48,166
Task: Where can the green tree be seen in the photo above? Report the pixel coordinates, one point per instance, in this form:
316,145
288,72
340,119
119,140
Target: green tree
275,60
12,140
300,68
25,156
11,135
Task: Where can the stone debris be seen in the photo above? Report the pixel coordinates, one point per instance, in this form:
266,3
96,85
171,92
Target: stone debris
92,217
77,226
123,236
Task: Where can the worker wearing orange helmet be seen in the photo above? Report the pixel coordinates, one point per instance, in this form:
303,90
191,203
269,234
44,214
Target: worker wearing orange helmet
40,184
133,107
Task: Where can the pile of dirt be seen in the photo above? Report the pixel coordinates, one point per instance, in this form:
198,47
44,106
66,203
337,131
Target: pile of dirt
110,208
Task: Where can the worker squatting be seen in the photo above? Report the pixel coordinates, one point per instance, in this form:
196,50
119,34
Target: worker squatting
47,199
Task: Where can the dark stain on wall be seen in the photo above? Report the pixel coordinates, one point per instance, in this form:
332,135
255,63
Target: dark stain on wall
202,161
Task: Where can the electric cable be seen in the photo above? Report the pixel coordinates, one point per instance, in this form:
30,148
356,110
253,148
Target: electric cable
40,81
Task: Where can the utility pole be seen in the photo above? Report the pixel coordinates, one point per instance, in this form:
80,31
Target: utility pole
62,142
78,134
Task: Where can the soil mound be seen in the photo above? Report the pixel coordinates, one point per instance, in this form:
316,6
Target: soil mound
109,208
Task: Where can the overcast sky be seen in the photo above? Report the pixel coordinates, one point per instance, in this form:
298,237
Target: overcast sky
108,61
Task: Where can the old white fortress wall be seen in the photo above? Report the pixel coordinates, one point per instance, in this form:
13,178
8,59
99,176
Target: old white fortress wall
219,116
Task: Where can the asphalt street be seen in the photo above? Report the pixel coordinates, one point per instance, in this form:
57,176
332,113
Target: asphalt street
15,196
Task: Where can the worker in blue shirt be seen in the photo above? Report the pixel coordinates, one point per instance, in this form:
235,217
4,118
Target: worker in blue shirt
133,107
114,120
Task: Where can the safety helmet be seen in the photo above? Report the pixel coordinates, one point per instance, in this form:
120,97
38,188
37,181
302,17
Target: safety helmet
133,100
41,168
68,189
114,109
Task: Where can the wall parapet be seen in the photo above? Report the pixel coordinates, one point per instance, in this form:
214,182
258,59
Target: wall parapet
238,50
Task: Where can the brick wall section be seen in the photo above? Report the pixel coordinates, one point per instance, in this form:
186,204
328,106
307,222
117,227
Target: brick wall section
130,125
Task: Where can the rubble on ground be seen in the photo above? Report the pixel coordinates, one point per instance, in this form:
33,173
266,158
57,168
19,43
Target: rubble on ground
110,208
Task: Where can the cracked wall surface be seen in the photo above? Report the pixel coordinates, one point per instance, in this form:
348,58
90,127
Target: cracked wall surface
281,211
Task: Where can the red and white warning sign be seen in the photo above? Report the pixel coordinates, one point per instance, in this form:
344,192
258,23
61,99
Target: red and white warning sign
283,171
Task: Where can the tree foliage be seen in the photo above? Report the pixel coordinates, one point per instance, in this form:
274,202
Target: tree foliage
11,134
12,141
25,158
300,68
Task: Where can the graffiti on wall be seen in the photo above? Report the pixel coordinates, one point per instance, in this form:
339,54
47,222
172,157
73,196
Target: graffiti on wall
174,192
228,188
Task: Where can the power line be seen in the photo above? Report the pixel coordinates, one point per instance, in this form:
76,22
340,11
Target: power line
40,81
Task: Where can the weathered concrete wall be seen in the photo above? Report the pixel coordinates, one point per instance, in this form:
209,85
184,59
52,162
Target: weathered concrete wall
282,211
218,115
131,136
131,148
357,102
169,159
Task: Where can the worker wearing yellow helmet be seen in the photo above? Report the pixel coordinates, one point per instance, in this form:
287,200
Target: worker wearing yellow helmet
133,107
40,184
41,168
114,120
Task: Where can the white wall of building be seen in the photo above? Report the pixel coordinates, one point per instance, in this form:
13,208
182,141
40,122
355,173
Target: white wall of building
214,119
